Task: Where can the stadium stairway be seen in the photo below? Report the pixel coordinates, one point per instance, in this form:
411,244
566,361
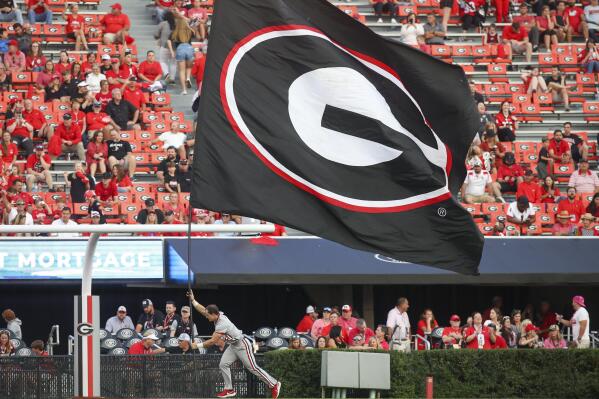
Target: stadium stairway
143,27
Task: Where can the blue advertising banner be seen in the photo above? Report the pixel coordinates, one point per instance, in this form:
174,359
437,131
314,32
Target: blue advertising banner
310,260
63,259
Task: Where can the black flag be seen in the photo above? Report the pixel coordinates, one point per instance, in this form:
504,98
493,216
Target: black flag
309,119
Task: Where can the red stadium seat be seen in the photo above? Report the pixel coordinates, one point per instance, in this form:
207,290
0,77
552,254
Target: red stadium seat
591,111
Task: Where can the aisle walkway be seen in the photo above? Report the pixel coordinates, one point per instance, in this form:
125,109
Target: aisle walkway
142,29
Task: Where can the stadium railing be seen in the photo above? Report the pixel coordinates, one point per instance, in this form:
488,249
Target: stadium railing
162,376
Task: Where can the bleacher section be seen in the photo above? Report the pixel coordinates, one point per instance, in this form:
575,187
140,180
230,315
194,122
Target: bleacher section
498,79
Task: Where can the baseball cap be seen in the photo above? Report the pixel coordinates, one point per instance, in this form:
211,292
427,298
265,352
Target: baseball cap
531,327
117,6
20,202
56,76
39,147
310,309
114,60
82,84
105,57
185,309
149,202
553,327
107,176
67,117
201,213
169,213
346,308
326,309
579,299
454,317
89,194
97,103
13,43
528,172
477,162
151,335
95,214
184,337
145,303
122,309
132,79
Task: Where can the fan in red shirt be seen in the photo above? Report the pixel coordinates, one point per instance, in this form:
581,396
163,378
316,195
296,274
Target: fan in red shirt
574,16
35,119
67,138
97,120
144,347
426,325
39,11
169,218
478,336
8,150
506,123
177,206
549,191
134,95
529,188
128,67
107,191
509,174
361,329
198,68
516,36
115,25
452,335
335,331
499,340
76,28
305,324
573,205
38,168
115,75
41,213
149,71
558,146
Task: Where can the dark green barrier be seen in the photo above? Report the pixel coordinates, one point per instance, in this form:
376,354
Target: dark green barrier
460,373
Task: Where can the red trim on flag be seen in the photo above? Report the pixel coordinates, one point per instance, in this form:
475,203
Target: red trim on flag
282,174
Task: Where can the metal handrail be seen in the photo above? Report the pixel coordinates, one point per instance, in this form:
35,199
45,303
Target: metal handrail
71,345
54,332
417,337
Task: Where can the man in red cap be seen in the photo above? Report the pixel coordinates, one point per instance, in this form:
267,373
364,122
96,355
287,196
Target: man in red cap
67,137
15,59
452,335
346,320
115,25
579,322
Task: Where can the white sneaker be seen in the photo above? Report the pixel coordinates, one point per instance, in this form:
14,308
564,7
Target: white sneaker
379,21
393,21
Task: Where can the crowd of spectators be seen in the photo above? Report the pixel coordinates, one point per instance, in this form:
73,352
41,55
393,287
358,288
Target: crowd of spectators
491,329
